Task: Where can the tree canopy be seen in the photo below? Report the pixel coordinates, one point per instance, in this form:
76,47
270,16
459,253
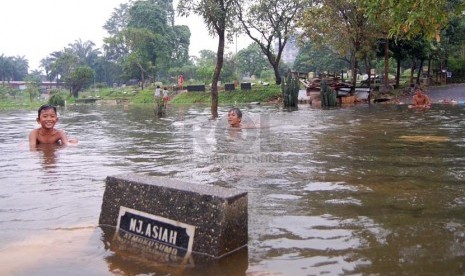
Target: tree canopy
270,23
218,16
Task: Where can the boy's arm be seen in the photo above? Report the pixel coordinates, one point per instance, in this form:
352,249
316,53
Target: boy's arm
428,101
63,138
33,139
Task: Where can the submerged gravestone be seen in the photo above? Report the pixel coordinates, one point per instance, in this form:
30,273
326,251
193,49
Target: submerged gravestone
197,218
246,86
196,88
229,87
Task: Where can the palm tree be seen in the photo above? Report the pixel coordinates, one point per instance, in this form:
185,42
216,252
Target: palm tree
85,52
46,64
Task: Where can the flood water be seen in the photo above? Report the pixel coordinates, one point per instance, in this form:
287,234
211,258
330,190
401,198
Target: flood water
368,190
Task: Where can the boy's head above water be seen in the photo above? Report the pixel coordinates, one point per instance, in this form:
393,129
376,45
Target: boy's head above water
234,117
46,107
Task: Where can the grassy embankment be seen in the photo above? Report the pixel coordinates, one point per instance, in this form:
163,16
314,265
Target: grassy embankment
262,94
133,95
258,93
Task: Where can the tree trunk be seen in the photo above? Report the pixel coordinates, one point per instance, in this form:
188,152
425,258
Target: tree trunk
386,63
276,73
398,72
414,66
142,76
354,73
420,68
216,74
367,66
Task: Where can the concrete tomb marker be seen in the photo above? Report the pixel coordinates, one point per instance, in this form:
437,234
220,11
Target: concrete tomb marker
197,218
156,228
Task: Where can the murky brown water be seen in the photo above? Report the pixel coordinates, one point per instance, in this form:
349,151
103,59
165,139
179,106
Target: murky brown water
369,190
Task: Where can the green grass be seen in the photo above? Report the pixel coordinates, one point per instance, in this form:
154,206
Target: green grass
11,105
143,97
135,96
257,94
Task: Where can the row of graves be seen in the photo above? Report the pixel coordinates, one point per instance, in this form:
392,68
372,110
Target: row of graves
227,87
344,91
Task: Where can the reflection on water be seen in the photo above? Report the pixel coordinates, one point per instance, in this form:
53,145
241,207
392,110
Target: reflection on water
137,255
366,189
49,154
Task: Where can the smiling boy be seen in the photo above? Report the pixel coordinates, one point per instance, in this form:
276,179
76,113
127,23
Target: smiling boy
47,134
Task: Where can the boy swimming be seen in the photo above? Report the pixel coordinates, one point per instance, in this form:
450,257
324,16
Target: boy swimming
234,117
47,133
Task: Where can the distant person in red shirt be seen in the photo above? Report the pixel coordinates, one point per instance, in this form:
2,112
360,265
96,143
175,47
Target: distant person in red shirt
181,81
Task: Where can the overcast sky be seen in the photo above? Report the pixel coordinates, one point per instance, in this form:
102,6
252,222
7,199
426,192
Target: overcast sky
36,28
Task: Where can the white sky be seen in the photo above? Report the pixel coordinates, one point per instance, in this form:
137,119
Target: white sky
36,28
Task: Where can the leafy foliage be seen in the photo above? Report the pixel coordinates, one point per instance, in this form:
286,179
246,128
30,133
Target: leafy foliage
13,68
327,94
33,85
79,78
257,94
410,18
251,60
318,58
218,15
57,100
290,90
270,22
344,26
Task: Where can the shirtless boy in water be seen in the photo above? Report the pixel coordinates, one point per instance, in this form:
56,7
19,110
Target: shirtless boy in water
47,134
420,100
234,117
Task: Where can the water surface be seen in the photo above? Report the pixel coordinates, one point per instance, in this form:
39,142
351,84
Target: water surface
367,189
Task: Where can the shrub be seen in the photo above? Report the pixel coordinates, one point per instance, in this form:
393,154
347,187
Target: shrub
57,100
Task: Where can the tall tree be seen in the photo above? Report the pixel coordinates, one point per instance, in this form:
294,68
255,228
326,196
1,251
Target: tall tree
251,60
78,79
205,65
179,45
157,17
318,58
167,6
6,68
46,64
142,54
410,18
342,24
85,51
118,19
21,67
219,16
13,68
63,63
270,24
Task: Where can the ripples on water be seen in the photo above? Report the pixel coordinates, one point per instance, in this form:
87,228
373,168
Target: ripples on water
334,191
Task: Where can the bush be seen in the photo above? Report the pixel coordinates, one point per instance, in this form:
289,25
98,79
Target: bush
4,91
457,67
57,100
101,85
